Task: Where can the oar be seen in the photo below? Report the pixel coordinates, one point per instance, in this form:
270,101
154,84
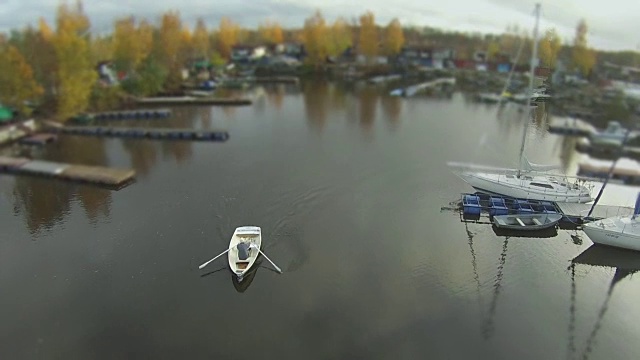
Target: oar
266,257
207,263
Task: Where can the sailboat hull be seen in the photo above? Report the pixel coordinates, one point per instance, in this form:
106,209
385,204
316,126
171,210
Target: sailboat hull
617,232
508,185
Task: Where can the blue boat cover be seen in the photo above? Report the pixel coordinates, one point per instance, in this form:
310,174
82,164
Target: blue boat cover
243,250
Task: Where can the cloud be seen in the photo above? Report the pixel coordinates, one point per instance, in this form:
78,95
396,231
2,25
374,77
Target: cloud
612,24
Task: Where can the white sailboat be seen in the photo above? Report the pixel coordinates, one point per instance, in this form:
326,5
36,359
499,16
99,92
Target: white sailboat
529,181
619,231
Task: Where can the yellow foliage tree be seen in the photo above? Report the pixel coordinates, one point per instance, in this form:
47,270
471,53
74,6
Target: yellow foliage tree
200,40
228,33
271,32
18,83
493,50
171,37
394,37
368,40
549,47
340,38
76,73
583,58
315,39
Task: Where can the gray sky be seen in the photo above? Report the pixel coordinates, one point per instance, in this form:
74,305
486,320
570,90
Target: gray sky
613,24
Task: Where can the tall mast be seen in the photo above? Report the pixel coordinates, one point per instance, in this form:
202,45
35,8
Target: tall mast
534,56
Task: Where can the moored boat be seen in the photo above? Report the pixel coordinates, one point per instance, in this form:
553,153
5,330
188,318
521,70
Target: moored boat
526,222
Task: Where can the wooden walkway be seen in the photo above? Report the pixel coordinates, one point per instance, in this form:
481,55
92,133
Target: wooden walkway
190,100
576,211
143,133
111,177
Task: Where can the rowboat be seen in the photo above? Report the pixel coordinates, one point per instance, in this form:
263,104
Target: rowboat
528,222
244,249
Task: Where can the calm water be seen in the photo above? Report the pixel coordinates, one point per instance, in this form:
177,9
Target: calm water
347,185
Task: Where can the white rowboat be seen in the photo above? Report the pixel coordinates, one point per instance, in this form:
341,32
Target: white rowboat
244,249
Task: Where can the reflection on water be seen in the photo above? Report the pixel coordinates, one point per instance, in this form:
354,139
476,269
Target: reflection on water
625,263
348,217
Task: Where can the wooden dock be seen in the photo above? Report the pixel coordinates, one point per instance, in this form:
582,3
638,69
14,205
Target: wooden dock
143,133
190,100
110,177
577,212
571,126
38,139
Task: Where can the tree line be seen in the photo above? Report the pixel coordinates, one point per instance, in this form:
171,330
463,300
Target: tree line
54,67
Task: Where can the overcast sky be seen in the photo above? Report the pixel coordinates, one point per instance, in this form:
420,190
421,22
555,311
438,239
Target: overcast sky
613,24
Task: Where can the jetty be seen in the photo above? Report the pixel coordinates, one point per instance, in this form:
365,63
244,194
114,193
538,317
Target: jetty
191,100
384,78
626,170
142,133
413,89
571,126
131,114
38,139
277,79
110,177
16,131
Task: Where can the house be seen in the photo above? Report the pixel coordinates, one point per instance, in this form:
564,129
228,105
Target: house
106,74
246,53
426,56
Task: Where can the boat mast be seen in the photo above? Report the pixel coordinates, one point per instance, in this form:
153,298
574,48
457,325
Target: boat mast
534,56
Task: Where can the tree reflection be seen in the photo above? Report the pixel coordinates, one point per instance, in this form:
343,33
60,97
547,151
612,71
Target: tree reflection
315,95
46,201
392,108
368,99
184,118
275,95
142,153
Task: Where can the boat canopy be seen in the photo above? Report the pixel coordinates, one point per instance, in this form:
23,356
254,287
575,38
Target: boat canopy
243,250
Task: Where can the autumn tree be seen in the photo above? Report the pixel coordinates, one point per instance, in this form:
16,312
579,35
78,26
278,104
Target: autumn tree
76,73
340,37
550,45
132,43
200,40
228,33
18,83
271,32
315,39
393,37
170,39
368,39
583,58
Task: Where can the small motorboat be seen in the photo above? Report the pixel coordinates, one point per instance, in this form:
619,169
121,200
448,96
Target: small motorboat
526,222
244,249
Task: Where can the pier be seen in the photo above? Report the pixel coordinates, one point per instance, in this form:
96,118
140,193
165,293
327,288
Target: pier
571,126
131,114
413,89
190,100
111,177
142,133
277,79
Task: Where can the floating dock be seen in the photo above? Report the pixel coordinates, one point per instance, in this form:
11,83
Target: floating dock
413,89
142,133
626,170
190,100
38,139
277,79
16,131
571,126
111,177
475,206
132,114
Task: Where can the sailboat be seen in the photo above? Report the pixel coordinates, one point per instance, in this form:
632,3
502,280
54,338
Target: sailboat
528,181
619,231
